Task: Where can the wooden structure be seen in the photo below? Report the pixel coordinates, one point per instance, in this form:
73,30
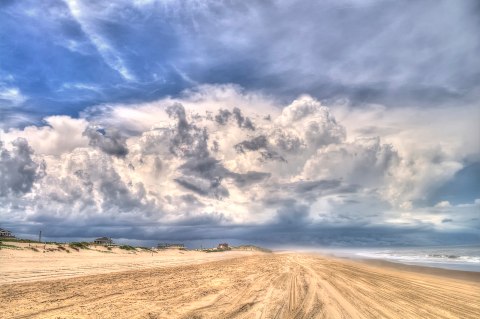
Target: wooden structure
104,241
5,233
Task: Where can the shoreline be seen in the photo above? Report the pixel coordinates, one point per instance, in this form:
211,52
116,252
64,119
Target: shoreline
425,270
471,276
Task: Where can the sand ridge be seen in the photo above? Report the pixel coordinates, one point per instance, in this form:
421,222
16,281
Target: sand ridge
258,286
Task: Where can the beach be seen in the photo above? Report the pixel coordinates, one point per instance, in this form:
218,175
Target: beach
231,284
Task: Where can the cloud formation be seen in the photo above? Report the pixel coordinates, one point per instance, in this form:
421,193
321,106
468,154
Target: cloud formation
18,171
220,162
110,141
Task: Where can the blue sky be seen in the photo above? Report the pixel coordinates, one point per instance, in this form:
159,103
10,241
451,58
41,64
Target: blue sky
387,91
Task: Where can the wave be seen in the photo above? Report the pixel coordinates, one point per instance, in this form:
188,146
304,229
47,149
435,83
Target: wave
453,258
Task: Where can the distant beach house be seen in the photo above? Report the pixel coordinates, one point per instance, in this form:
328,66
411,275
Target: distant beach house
104,241
170,246
223,246
5,233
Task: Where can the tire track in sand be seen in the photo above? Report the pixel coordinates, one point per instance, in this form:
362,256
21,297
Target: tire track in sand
263,286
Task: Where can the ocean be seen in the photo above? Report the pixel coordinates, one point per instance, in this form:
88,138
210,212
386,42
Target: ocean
465,258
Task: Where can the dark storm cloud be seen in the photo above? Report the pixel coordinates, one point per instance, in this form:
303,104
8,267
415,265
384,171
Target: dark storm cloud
292,215
202,219
289,231
205,187
18,171
190,199
205,167
242,121
202,179
256,143
204,176
117,194
222,116
187,139
308,186
248,178
312,190
259,144
110,141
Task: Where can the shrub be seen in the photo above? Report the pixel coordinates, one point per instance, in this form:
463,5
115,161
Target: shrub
79,245
127,247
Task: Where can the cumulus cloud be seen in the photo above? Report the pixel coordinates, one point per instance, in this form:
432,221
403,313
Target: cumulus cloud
59,134
187,139
110,141
18,171
288,173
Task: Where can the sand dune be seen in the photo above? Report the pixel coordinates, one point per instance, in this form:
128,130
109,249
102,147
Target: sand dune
26,265
258,286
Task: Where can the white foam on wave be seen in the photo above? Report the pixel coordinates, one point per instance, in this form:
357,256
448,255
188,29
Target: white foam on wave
451,257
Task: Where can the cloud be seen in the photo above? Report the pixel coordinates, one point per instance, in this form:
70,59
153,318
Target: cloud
292,215
110,141
18,171
10,97
443,204
307,173
60,134
204,177
260,144
86,20
186,140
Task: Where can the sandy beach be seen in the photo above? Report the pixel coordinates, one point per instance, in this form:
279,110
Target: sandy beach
234,284
28,266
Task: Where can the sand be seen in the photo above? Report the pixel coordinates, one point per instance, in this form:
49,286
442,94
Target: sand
26,265
235,285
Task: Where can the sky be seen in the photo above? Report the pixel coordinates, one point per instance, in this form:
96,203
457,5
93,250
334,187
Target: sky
278,123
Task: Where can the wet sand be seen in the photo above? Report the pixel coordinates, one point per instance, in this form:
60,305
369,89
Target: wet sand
287,285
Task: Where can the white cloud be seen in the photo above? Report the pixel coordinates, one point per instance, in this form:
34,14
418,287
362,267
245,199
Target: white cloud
443,204
11,97
84,16
204,98
61,134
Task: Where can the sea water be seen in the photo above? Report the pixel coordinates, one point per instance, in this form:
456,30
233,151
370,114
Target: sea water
465,258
